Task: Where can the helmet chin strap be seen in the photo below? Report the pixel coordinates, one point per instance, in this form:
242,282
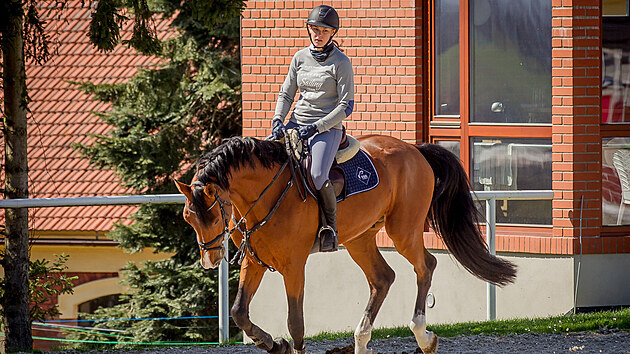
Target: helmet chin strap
325,45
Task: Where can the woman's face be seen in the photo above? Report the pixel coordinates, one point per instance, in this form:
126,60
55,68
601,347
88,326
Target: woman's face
320,35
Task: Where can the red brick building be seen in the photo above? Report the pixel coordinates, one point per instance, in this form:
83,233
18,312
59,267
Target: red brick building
516,89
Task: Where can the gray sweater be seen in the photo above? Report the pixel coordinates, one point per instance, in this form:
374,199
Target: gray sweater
326,90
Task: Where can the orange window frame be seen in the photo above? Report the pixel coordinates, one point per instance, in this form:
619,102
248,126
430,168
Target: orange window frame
460,128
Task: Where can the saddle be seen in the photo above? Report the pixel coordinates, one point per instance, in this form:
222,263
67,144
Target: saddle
352,171
348,148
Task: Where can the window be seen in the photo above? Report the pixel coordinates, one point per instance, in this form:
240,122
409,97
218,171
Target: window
91,306
447,58
615,8
514,164
615,121
615,181
491,103
510,61
616,71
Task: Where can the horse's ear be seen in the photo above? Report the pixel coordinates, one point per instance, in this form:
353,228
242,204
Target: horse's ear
184,189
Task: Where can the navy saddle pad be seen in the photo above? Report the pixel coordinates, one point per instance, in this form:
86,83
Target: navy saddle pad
360,174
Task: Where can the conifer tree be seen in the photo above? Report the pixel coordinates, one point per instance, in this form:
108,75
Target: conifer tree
163,119
24,38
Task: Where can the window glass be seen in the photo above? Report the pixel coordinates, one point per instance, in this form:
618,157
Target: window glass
615,8
514,164
447,57
615,181
450,145
616,70
90,307
510,61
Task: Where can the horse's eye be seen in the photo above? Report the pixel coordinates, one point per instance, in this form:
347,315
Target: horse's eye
216,222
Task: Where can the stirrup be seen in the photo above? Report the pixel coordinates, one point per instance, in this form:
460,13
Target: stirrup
328,241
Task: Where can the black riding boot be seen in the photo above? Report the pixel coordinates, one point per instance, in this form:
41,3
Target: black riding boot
328,233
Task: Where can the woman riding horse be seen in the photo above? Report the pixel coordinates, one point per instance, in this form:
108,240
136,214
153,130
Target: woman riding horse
243,190
323,74
246,180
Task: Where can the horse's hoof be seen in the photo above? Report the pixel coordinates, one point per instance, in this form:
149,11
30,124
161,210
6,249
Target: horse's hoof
432,348
281,346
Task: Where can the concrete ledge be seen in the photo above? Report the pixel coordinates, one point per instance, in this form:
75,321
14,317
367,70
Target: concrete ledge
337,292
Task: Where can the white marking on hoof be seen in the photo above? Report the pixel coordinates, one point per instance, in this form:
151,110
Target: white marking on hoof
432,348
426,339
362,336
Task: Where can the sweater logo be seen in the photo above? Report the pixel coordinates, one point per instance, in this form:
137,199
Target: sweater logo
311,84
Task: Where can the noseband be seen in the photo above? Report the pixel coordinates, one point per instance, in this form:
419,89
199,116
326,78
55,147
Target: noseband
207,246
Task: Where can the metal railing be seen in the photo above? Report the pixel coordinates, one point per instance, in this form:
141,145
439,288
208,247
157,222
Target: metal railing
132,200
489,196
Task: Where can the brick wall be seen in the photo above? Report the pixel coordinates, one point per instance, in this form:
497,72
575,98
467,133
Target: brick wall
385,43
382,39
576,90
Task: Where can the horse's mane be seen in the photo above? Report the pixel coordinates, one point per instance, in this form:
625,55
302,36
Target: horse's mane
217,166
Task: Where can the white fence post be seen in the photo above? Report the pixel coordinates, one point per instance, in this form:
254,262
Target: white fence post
491,291
224,325
491,221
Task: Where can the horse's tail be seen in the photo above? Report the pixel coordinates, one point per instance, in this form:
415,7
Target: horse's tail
454,217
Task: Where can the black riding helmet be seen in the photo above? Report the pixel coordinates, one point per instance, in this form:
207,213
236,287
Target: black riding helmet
323,16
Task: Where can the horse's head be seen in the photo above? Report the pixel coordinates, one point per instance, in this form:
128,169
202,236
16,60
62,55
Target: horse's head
209,214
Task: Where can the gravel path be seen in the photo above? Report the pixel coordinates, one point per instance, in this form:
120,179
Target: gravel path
579,342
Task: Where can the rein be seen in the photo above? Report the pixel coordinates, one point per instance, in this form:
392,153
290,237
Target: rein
241,224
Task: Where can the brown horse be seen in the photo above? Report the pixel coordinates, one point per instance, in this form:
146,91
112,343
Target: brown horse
247,177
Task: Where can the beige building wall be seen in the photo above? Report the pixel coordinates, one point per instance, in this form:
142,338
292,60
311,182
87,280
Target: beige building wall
336,293
604,279
91,259
100,259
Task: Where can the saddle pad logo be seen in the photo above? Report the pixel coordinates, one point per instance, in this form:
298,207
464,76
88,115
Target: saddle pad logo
363,175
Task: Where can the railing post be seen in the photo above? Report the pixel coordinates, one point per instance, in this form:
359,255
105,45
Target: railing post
491,218
224,325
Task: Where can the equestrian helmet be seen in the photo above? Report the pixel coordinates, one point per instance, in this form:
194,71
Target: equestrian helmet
324,16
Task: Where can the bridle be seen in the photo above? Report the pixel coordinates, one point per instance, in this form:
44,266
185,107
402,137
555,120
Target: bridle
207,246
241,224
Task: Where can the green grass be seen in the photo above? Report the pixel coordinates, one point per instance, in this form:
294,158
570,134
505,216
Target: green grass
619,320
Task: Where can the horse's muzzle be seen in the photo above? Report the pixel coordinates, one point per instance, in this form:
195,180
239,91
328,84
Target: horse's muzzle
212,259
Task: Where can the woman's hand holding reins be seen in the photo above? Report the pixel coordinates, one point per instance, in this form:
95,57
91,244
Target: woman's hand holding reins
307,131
278,130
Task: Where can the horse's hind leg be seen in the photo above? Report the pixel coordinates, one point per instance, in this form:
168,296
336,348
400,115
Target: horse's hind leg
380,277
411,246
250,278
427,340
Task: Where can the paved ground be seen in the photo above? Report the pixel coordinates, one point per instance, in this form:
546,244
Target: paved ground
580,342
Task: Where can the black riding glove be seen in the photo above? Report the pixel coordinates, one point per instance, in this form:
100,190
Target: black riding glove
307,131
278,130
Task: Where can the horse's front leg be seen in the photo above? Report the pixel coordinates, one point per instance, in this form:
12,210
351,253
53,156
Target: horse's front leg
250,278
294,285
